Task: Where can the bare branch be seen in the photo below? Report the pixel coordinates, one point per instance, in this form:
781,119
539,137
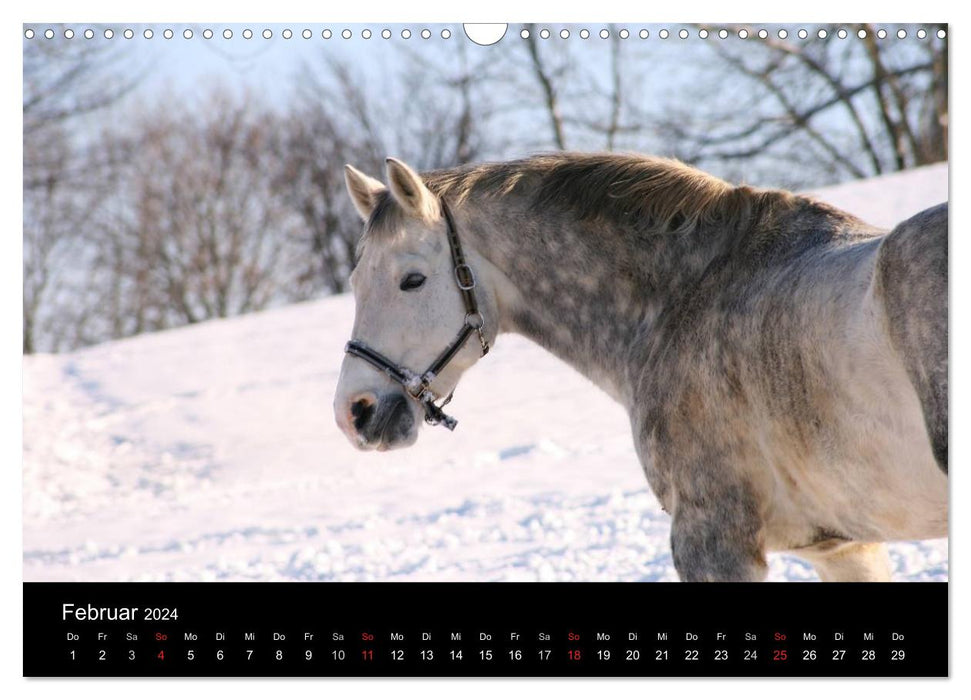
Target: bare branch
545,79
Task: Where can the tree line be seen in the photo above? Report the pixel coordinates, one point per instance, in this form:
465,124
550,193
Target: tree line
144,212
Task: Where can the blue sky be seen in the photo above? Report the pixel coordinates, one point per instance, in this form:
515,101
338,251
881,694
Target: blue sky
663,75
270,64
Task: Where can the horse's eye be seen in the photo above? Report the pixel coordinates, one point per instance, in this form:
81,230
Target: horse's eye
412,281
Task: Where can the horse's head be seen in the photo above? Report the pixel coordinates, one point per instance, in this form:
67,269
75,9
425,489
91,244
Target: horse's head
410,311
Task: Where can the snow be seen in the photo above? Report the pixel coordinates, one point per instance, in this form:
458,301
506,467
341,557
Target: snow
211,453
887,200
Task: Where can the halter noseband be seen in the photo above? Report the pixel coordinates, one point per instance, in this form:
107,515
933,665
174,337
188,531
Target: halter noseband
417,385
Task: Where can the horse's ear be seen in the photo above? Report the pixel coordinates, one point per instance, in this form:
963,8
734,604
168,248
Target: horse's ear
364,190
410,192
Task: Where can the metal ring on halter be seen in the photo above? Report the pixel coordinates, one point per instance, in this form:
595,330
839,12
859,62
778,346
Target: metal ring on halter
475,320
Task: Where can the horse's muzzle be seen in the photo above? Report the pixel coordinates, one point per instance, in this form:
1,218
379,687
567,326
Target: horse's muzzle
381,422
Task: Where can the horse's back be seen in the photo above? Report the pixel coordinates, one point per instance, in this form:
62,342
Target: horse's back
911,278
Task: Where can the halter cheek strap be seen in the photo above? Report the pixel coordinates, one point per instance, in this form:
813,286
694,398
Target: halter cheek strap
417,385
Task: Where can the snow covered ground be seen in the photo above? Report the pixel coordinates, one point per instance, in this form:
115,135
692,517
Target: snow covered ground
211,453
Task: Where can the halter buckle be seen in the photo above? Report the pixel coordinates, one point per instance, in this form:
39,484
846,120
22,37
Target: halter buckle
416,385
464,277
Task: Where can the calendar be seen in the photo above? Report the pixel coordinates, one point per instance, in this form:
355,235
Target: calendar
396,349
638,630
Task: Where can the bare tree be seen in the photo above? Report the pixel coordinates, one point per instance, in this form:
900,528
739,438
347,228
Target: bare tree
447,105
331,122
587,97
199,230
313,187
545,77
63,82
165,217
49,208
838,107
433,114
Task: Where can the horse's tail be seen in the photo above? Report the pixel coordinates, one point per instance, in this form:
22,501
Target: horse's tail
912,276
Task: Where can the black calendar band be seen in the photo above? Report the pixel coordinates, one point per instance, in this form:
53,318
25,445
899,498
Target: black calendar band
485,629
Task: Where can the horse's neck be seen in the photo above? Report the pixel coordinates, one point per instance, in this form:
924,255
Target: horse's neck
584,291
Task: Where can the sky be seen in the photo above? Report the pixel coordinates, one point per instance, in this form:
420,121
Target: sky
664,73
264,63
268,65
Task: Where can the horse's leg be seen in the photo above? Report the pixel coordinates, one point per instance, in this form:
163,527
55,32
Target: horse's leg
849,561
718,540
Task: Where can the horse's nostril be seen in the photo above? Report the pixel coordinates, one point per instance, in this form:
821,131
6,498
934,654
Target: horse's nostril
361,412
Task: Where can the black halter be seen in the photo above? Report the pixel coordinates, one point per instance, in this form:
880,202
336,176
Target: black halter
417,385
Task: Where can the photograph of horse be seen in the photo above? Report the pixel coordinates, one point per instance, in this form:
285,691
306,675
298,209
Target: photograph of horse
671,299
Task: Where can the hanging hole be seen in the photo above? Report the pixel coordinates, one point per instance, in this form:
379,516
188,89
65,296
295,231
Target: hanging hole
485,34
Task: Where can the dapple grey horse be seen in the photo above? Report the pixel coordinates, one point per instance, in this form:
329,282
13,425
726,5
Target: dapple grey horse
783,364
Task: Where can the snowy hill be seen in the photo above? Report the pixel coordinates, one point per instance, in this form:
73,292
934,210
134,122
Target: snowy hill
211,452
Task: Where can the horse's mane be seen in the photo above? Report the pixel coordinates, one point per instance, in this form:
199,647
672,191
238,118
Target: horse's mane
662,193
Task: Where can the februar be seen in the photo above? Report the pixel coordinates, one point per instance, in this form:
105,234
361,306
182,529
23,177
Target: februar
89,612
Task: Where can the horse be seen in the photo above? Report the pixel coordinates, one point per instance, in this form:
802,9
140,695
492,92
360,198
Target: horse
783,364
